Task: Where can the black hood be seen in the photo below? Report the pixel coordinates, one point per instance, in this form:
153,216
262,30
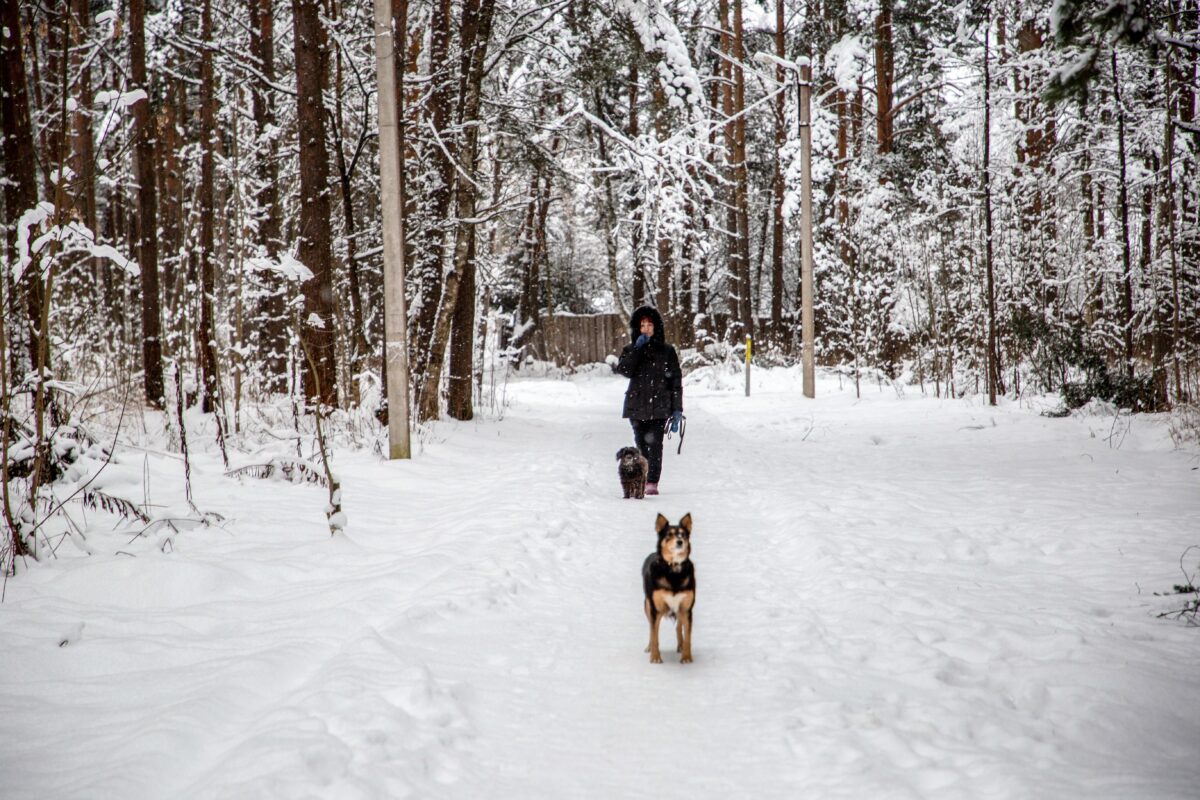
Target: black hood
636,318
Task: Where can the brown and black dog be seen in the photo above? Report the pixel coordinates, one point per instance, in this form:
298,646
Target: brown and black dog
670,583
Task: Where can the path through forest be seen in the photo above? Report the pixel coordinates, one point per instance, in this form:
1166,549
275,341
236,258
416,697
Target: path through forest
898,597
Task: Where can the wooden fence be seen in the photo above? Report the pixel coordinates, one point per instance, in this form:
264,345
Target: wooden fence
572,340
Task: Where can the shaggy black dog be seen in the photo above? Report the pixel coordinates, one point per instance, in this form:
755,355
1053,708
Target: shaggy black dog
632,467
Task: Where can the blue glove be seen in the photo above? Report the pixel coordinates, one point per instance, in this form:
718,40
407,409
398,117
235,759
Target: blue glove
676,419
641,341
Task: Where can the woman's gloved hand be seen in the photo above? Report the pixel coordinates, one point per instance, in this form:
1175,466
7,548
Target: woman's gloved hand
676,419
641,341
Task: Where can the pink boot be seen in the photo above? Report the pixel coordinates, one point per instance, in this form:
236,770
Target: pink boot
651,488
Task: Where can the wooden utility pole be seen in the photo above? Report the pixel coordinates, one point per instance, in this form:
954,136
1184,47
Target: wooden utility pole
395,313
807,326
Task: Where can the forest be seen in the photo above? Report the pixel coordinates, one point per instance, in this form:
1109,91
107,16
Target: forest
1005,196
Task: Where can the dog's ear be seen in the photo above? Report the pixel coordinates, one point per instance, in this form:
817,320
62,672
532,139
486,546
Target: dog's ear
686,523
620,454
661,524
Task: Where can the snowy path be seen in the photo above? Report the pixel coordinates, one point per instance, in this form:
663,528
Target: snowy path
897,597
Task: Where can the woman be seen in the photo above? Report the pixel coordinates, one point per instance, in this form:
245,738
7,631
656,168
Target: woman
654,398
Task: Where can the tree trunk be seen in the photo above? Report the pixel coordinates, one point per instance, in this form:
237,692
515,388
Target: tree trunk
608,213
664,250
636,201
20,188
993,355
1153,273
357,335
730,194
147,217
170,211
1033,151
477,30
83,148
272,336
210,388
315,251
885,75
1087,197
742,176
431,259
1173,76
777,183
529,308
1123,203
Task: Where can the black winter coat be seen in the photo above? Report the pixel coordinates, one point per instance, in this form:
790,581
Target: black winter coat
655,380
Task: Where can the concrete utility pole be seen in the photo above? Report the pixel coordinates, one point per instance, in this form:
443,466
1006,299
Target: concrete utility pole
395,313
802,69
807,326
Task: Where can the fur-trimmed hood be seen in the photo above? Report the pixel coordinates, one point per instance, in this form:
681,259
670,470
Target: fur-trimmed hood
635,320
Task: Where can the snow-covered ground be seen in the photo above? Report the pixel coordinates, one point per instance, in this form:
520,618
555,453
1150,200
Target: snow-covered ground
899,596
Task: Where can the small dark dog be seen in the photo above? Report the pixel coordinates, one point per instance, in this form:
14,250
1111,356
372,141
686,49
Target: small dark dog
632,467
670,583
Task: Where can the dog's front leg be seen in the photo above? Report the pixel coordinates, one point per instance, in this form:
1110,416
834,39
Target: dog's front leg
653,616
685,619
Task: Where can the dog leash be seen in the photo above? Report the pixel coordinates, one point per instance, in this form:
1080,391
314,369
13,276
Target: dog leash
682,431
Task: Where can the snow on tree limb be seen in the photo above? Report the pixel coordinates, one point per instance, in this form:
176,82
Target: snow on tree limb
71,236
659,34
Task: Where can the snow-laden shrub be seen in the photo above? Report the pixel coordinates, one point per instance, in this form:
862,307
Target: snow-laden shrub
1134,392
1184,425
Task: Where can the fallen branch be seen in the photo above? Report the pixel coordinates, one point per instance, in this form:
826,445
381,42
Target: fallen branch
293,469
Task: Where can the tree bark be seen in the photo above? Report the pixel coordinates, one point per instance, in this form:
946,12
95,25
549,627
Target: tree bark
357,335
741,175
608,212
210,384
1123,203
272,336
529,307
83,149
636,200
431,258
730,195
993,355
777,182
664,250
476,31
1033,151
885,75
315,251
20,190
459,296
147,216
170,209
